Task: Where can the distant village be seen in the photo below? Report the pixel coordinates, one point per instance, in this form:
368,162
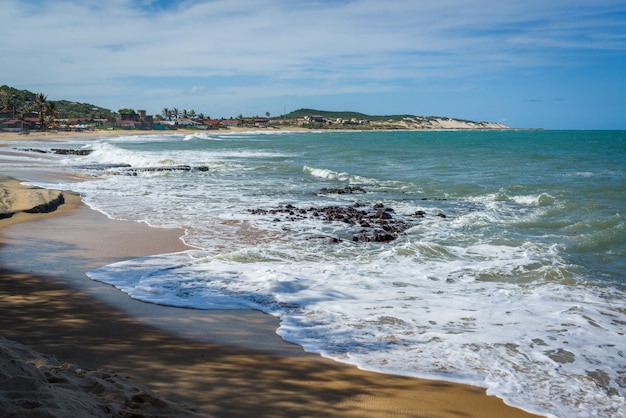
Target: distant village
34,112
31,121
140,120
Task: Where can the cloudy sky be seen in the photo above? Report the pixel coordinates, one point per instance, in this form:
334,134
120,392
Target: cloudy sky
557,64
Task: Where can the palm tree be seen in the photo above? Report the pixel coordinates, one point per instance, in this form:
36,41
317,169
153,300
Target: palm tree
52,110
175,113
185,114
41,101
192,114
166,113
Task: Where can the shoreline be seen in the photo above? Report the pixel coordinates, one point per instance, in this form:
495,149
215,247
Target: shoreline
240,374
102,133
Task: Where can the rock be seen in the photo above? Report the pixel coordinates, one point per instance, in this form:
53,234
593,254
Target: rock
133,171
49,206
345,190
60,151
72,151
377,223
16,197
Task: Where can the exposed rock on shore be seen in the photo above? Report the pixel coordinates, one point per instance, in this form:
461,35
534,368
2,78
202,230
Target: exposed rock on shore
16,197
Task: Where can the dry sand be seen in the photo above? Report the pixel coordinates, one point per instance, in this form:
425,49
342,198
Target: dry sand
220,363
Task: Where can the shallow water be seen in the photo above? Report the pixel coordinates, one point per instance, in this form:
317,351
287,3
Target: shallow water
510,276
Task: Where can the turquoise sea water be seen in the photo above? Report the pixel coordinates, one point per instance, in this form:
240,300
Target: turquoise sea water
510,275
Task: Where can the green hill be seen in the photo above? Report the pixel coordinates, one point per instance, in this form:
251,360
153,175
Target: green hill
347,115
23,100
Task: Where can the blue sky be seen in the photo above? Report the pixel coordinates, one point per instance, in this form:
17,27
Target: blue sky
556,64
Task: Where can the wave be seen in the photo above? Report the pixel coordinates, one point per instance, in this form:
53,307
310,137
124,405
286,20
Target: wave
354,179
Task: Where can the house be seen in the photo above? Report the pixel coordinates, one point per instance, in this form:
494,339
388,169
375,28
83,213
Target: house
31,123
128,124
11,125
190,123
130,117
230,123
211,124
315,119
261,122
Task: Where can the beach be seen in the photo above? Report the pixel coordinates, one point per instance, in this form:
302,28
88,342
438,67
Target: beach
103,133
188,362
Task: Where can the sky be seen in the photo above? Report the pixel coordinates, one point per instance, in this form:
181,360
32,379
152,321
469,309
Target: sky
554,64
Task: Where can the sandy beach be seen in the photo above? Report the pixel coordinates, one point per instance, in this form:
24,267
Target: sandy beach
100,133
105,354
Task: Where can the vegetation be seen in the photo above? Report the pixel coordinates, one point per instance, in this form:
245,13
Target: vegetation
41,103
174,113
24,101
300,113
126,111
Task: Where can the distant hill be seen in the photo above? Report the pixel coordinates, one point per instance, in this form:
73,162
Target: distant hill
67,109
300,113
392,121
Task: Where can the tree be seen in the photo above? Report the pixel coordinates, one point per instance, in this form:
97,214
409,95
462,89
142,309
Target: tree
192,114
126,111
40,103
185,113
52,111
166,113
10,103
267,114
175,113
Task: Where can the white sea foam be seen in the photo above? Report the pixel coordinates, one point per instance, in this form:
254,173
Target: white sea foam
326,173
541,199
433,316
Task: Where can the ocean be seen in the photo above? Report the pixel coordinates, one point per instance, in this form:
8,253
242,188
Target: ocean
492,258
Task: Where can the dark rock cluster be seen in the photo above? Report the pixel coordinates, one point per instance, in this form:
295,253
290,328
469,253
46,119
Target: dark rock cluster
133,171
374,224
344,190
60,151
48,207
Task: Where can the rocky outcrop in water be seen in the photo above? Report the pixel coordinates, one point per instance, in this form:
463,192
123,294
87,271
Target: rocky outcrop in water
343,190
376,223
136,170
59,151
115,169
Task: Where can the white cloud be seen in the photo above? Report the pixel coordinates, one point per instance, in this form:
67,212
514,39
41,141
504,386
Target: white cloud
307,47
198,91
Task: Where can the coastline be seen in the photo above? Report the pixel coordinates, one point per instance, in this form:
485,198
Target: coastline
102,133
226,375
